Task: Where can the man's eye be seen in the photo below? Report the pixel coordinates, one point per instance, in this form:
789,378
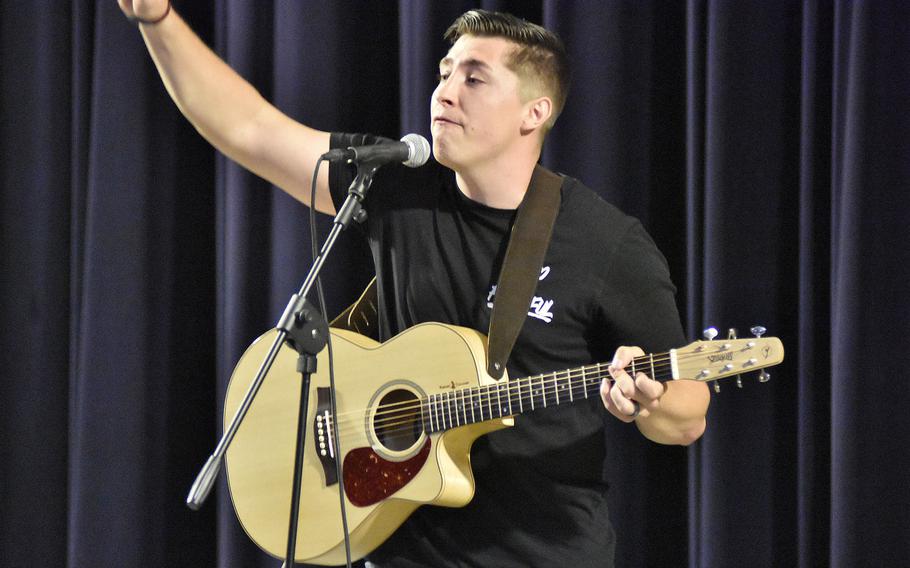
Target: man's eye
473,81
440,77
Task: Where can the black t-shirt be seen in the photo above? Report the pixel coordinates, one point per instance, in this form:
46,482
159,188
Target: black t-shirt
540,495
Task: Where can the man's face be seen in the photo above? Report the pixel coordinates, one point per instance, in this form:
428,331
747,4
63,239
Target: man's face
476,109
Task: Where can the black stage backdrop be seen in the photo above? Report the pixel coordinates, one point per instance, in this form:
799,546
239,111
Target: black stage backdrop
765,145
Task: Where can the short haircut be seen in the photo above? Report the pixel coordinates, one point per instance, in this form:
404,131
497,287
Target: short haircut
539,60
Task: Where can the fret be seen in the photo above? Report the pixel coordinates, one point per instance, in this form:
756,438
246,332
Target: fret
457,407
653,376
450,396
521,405
442,414
633,370
464,409
489,403
598,374
483,394
440,424
571,394
556,387
543,391
584,380
427,427
508,388
453,406
425,417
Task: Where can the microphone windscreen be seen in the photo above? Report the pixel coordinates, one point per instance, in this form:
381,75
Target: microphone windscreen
419,150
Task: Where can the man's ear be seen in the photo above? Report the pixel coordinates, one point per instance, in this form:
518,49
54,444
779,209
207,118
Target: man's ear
537,113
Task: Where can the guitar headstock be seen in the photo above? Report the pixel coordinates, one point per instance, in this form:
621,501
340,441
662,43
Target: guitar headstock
711,360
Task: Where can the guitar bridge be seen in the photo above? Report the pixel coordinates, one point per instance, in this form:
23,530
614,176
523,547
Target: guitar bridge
324,439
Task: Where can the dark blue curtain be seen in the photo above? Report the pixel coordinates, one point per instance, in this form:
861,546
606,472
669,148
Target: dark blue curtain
765,145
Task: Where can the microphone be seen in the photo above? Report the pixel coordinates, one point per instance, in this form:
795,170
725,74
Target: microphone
413,151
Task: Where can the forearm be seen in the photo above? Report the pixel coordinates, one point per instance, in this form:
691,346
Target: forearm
213,97
679,418
233,116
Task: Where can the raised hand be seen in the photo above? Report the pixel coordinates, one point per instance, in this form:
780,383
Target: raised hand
149,10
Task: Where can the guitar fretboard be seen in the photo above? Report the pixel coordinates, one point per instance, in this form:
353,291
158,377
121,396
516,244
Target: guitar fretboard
443,411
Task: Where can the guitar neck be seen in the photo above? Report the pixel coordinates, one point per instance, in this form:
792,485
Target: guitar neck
699,361
461,407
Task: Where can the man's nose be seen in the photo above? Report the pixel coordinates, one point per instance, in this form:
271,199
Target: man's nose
446,93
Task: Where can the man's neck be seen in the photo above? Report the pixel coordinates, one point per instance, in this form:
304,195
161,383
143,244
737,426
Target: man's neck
499,185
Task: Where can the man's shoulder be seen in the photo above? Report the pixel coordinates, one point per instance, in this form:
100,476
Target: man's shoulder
582,206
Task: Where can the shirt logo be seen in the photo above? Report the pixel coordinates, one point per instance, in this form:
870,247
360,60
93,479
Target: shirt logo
540,307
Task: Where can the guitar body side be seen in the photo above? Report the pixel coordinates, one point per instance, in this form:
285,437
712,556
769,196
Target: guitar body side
426,359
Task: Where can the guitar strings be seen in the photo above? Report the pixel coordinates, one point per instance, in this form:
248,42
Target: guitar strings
392,411
660,363
405,420
488,390
407,413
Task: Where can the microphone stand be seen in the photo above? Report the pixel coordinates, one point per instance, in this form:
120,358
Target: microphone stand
302,328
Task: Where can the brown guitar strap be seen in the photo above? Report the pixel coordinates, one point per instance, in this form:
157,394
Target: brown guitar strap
521,267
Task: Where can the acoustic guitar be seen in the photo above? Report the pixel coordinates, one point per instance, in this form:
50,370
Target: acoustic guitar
409,410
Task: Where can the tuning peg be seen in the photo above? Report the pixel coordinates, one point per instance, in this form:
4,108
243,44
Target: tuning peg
764,376
758,330
716,386
739,381
709,333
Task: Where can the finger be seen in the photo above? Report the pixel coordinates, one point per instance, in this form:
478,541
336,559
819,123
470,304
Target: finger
605,388
621,378
621,359
621,394
649,388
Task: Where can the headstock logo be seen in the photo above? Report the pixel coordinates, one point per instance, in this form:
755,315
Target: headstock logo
720,357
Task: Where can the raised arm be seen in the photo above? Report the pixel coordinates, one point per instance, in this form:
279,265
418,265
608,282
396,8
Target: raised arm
227,110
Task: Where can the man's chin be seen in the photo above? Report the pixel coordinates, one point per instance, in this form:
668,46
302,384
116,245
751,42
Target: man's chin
441,155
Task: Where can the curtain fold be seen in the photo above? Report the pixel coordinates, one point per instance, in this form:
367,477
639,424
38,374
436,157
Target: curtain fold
764,145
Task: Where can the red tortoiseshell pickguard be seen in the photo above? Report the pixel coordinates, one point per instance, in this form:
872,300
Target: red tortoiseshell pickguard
368,478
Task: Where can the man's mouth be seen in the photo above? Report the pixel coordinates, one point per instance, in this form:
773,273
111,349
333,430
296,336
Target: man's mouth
443,120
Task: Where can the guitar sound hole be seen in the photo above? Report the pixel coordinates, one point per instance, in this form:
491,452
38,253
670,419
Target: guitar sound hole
397,420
